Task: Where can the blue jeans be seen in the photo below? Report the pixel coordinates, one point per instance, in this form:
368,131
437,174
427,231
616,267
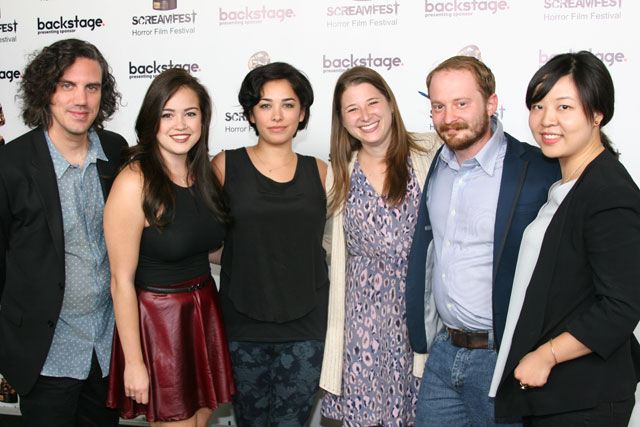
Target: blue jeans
455,386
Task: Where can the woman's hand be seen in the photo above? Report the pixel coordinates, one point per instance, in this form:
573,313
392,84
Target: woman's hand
535,367
136,382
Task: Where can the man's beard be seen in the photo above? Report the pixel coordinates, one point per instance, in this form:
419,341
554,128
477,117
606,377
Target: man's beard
457,142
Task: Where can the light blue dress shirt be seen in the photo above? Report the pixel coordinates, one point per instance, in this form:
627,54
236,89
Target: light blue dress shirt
86,320
462,202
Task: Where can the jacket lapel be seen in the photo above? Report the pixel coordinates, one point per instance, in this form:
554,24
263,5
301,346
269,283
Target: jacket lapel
513,173
47,185
109,169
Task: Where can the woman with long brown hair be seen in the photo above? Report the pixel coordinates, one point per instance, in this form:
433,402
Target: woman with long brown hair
375,183
164,214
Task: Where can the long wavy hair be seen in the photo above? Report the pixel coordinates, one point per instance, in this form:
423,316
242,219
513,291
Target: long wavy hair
343,145
592,79
40,79
158,191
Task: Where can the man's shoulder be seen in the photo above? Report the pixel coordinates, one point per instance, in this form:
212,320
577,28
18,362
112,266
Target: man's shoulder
531,153
20,147
111,138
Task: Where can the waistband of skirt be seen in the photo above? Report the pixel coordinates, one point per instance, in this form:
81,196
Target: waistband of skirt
188,286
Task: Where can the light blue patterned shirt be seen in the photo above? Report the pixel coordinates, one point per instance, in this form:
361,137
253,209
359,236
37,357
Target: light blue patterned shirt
86,320
462,202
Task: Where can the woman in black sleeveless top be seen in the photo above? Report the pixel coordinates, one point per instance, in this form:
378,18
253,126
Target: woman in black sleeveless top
170,357
274,281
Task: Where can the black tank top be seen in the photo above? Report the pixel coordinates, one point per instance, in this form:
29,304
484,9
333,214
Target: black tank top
179,252
274,280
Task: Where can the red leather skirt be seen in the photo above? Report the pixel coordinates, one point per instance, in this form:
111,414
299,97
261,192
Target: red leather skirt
185,350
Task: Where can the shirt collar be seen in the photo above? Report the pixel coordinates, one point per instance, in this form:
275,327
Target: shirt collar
486,157
94,153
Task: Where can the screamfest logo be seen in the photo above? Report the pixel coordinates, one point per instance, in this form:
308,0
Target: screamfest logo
338,65
451,8
8,32
251,16
64,25
363,14
169,24
151,70
234,122
609,58
582,10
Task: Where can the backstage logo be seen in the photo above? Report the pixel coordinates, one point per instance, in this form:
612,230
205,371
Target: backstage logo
167,24
454,8
235,123
254,15
340,64
151,70
258,59
363,14
9,31
609,58
10,75
64,25
582,10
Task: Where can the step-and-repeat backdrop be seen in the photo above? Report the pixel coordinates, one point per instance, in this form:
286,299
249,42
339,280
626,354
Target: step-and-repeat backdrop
219,41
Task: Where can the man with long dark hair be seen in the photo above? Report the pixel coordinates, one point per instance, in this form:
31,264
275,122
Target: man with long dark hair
56,313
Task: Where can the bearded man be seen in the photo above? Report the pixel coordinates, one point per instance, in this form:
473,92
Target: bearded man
483,189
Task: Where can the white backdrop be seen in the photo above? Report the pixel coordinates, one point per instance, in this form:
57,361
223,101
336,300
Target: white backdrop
220,40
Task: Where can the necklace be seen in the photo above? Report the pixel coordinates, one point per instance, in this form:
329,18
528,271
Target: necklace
269,168
583,163
182,179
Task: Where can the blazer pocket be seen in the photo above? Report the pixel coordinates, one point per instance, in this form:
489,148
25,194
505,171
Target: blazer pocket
12,313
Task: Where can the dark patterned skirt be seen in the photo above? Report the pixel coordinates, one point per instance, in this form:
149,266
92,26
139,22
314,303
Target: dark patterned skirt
185,349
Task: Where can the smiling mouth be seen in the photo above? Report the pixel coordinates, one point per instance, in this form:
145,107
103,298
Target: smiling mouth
369,128
180,138
550,138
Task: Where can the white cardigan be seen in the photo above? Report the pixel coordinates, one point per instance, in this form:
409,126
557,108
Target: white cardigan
331,376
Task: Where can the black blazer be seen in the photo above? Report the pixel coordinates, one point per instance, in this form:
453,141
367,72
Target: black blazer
32,276
585,282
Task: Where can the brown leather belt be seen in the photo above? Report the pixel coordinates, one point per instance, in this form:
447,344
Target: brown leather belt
471,340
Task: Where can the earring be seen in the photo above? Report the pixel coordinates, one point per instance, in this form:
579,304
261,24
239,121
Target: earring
597,123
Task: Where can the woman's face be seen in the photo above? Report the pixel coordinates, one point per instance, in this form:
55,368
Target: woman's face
278,112
366,115
180,123
560,125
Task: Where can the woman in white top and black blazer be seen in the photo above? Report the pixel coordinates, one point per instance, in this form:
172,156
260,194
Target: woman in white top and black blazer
573,358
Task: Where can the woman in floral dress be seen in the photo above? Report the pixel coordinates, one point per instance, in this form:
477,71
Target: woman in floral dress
377,170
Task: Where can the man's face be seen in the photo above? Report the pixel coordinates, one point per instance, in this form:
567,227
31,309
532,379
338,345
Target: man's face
461,116
76,101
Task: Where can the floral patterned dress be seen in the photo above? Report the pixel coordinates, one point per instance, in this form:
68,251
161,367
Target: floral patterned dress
378,387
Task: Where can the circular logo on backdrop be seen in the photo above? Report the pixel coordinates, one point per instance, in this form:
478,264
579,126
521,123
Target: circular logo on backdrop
258,59
471,50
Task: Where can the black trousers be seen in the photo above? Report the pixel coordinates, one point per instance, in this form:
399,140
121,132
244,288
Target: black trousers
68,402
606,414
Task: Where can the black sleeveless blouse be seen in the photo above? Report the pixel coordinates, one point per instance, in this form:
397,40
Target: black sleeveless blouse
274,279
179,252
